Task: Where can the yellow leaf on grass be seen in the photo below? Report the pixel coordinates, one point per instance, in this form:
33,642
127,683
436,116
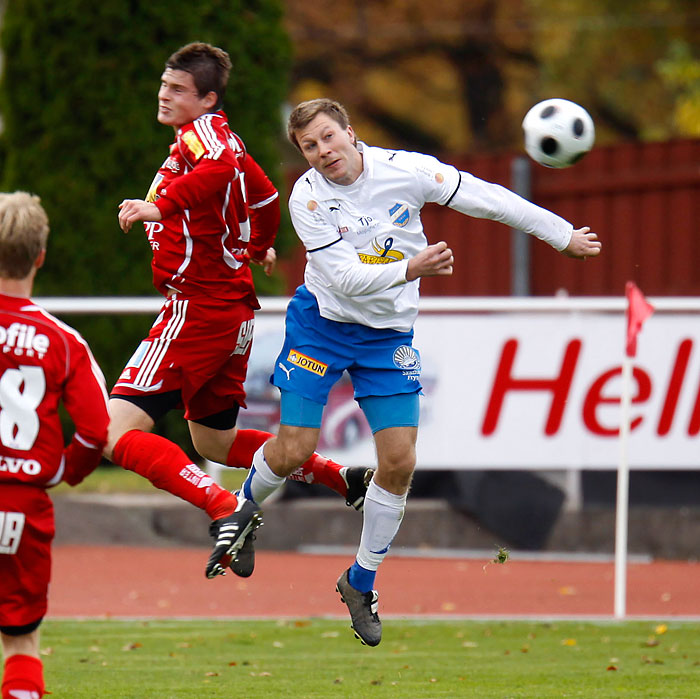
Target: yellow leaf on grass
569,642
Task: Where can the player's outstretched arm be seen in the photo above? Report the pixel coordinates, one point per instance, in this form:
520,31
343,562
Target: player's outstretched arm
583,243
435,260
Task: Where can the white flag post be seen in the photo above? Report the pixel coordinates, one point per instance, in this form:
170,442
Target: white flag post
621,510
638,310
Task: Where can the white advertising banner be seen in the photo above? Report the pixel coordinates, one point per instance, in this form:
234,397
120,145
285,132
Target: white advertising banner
534,390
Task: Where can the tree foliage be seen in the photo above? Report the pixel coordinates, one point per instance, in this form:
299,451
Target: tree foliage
459,76
78,100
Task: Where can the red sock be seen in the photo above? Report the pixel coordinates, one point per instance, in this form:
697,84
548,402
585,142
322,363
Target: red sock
23,673
168,467
318,469
247,442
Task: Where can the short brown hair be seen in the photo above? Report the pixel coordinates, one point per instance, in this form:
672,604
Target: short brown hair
208,65
24,229
305,112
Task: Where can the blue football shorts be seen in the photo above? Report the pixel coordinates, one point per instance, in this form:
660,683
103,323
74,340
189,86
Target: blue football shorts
316,351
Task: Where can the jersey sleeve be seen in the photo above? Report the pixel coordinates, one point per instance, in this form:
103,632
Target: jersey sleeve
343,271
263,206
481,199
313,229
436,180
85,399
213,165
197,185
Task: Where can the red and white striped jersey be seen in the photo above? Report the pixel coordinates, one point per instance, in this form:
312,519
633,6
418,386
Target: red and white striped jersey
43,362
218,207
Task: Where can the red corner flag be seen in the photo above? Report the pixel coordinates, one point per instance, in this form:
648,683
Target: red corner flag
638,310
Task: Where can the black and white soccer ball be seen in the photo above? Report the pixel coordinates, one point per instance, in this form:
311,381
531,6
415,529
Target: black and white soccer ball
558,133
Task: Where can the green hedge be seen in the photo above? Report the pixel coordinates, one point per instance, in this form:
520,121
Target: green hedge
78,100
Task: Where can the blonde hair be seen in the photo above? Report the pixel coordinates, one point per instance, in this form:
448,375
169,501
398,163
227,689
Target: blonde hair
24,230
305,112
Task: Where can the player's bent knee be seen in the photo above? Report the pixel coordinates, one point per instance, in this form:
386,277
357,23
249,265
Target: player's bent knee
294,454
292,447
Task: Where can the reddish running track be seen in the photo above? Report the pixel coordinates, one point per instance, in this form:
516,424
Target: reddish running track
116,581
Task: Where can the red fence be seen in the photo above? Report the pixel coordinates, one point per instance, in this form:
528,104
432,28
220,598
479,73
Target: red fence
643,200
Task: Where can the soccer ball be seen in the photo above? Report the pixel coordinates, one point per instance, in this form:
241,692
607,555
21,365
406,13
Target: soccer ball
558,133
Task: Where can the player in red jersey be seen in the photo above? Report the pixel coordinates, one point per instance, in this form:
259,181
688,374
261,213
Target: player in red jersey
42,362
209,211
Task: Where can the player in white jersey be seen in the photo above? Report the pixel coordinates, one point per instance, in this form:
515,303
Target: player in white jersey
357,211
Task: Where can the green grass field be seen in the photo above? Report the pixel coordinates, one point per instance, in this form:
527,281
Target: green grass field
320,658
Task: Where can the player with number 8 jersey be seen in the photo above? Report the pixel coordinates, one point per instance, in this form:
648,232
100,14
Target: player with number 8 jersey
43,362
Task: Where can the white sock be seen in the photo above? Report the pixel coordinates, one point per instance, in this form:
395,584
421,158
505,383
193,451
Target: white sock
382,515
261,481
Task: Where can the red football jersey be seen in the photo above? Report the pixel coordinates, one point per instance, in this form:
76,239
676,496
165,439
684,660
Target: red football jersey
217,207
42,362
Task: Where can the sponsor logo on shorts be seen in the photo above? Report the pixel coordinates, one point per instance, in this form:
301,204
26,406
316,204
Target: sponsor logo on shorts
308,363
407,359
285,370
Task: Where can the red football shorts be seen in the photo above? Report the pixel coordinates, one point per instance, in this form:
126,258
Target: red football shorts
199,346
26,531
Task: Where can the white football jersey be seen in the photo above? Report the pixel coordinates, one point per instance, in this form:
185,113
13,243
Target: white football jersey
359,237
379,216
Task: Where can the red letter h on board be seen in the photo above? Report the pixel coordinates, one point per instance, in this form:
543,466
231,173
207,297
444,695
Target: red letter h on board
504,382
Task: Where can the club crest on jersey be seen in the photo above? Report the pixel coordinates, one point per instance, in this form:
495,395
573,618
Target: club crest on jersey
399,214
406,359
308,363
